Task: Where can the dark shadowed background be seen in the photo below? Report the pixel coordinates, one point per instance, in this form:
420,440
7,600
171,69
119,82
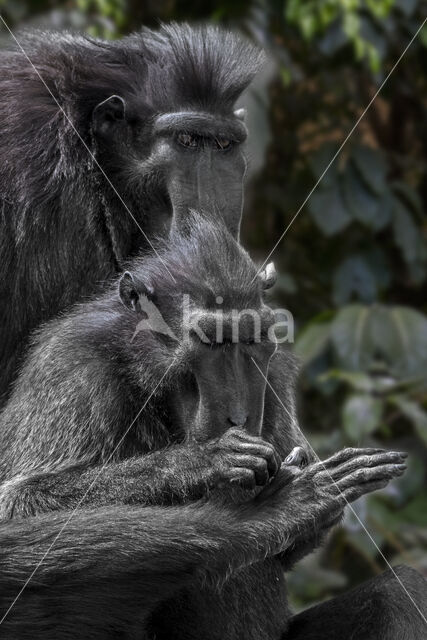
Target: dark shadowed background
353,265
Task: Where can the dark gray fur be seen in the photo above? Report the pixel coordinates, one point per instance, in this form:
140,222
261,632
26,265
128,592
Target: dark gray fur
86,373
161,549
63,229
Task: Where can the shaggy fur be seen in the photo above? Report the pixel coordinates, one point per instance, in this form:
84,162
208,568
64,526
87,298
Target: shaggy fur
160,549
89,369
63,229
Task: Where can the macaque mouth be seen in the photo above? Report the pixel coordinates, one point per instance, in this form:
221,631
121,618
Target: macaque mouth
191,128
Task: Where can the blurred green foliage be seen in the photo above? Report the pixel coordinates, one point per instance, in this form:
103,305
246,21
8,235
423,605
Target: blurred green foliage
354,262
356,254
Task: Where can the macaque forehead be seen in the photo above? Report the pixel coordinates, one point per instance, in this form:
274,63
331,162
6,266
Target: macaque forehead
206,67
244,326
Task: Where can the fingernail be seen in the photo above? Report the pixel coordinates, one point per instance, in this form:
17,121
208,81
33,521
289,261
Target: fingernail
403,454
402,466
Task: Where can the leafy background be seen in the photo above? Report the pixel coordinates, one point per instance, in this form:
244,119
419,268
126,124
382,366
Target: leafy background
354,263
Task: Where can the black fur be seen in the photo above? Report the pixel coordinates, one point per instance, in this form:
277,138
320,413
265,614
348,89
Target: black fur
60,219
89,367
189,561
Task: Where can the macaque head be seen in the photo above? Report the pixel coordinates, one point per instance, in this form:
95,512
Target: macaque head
172,138
200,306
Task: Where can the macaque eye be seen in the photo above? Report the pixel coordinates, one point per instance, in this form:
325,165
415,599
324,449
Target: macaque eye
187,140
223,143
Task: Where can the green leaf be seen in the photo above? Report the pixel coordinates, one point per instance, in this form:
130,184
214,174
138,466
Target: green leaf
383,337
333,39
411,329
355,379
375,41
361,336
312,341
409,195
328,210
380,9
378,263
405,231
362,202
400,335
351,24
361,415
413,482
423,36
406,6
414,412
371,167
350,337
409,240
319,162
354,277
416,511
383,215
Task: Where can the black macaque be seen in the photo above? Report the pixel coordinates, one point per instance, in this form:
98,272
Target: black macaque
144,428
90,374
155,110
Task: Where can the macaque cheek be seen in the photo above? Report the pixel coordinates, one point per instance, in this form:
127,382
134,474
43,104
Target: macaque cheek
184,405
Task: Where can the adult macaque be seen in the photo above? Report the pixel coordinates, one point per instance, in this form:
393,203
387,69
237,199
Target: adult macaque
103,145
83,429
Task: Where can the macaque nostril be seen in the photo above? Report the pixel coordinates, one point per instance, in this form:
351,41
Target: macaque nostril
238,419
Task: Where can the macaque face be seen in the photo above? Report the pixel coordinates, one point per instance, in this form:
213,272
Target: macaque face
182,161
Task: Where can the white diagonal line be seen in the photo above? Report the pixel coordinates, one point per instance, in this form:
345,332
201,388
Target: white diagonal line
36,568
85,146
346,139
348,504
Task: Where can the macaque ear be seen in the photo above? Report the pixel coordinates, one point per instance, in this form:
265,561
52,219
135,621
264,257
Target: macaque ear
268,276
107,114
130,292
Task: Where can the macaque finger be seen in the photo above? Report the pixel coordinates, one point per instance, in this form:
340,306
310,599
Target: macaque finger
239,475
242,443
365,461
256,464
347,454
362,476
354,493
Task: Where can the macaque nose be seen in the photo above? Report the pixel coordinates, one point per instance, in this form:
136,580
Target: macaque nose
238,419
